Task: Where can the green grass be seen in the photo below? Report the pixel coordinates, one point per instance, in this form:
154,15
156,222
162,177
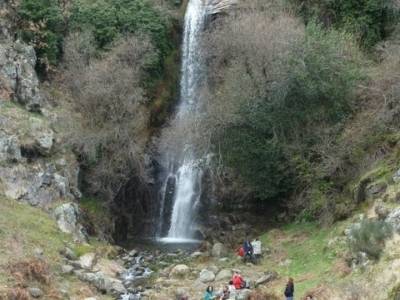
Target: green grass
306,246
22,230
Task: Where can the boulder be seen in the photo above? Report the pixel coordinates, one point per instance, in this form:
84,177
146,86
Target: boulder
224,275
206,276
197,254
68,253
18,75
179,271
109,267
180,293
243,294
9,148
67,269
35,292
67,216
117,288
87,261
375,190
267,277
396,176
218,250
213,268
394,219
42,139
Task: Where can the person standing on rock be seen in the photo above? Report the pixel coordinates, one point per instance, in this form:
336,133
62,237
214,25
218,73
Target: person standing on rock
289,290
209,295
256,249
248,250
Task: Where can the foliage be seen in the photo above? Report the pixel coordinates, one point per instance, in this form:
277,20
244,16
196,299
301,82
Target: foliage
43,26
369,237
275,118
369,20
110,97
109,20
259,160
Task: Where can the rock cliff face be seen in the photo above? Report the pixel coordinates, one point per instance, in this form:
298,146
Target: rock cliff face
220,6
32,166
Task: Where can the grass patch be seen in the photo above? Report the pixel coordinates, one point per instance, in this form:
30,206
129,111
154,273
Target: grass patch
23,229
303,251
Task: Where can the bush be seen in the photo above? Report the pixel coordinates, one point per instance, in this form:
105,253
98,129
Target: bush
275,103
369,237
42,24
109,20
108,93
369,20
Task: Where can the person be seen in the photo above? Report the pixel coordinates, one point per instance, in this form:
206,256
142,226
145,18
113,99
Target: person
209,294
289,290
256,248
240,251
231,287
225,293
309,297
248,250
238,281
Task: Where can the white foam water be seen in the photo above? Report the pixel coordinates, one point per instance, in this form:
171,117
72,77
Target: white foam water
184,168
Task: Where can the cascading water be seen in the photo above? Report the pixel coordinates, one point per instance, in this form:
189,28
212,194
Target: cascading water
182,179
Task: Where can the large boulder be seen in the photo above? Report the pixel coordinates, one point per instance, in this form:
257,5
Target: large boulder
179,271
67,216
87,261
18,78
218,250
267,277
206,276
9,148
224,275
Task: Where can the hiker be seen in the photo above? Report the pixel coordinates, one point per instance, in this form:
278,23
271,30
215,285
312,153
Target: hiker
225,293
289,290
238,281
248,250
256,248
209,294
240,251
231,287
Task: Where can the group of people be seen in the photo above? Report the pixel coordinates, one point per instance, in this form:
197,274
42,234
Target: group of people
237,282
250,251
229,291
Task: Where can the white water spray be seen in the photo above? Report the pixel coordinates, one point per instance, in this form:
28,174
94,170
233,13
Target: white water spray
184,168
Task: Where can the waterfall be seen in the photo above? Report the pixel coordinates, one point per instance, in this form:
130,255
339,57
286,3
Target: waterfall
182,176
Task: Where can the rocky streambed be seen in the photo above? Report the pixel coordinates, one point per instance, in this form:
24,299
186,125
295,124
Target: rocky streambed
155,274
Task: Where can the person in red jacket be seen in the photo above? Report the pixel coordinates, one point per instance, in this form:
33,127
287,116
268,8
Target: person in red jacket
238,281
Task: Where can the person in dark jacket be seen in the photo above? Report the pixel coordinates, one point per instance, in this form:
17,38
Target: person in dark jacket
248,251
289,290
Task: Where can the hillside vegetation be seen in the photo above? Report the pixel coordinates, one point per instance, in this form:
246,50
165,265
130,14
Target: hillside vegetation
302,99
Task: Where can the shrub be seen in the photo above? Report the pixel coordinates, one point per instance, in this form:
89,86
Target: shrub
369,237
109,20
276,102
108,93
42,25
32,269
369,20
